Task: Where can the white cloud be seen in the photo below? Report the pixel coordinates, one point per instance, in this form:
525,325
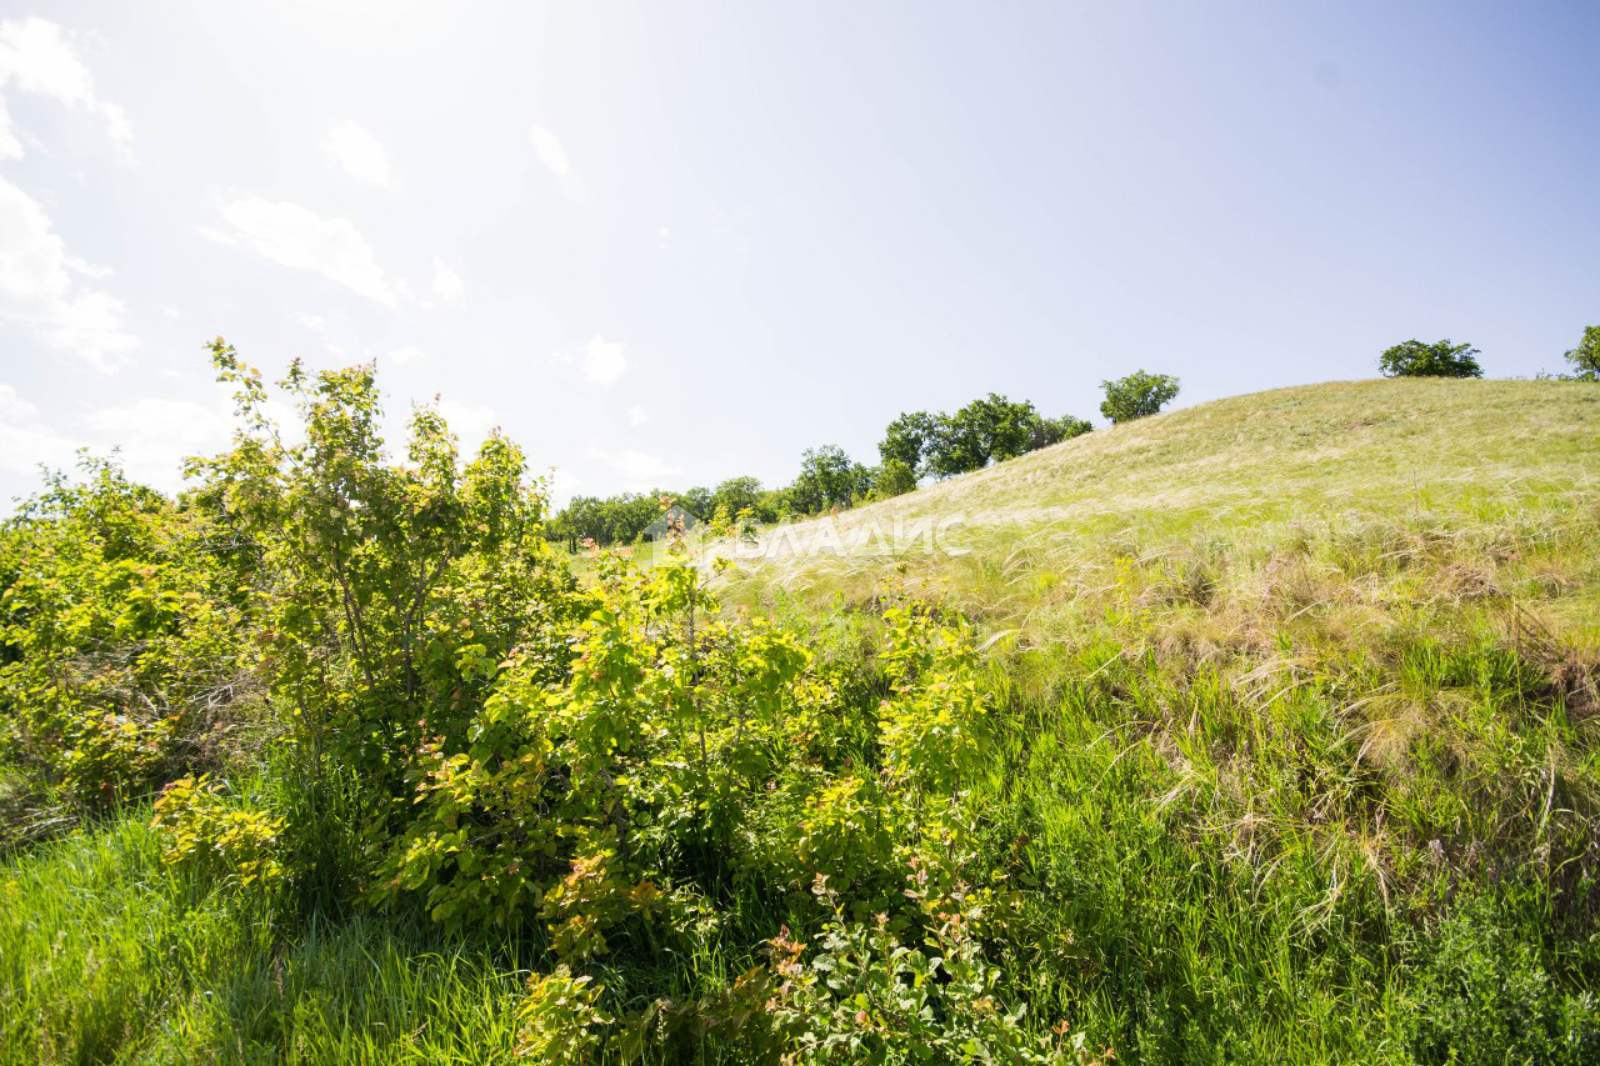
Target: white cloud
553,155
664,234
23,449
603,361
10,146
638,469
38,290
406,355
155,435
87,269
447,284
151,435
14,408
359,152
547,146
561,487
637,416
315,323
36,57
470,422
296,237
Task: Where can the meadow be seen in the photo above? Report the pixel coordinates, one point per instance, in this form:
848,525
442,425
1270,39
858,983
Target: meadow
1266,730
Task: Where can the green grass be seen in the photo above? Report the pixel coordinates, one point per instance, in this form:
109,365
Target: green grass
1365,477
105,956
1300,764
1301,678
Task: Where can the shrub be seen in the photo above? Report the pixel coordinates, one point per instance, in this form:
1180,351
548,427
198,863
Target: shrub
1441,359
559,1019
216,839
933,724
1484,997
119,635
865,995
590,899
1137,395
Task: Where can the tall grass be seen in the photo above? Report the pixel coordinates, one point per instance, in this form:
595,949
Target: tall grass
107,957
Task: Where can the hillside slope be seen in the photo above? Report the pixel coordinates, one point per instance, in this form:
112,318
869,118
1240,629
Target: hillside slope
1307,713
1264,731
1418,471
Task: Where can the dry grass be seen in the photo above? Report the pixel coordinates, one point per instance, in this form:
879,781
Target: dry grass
1326,502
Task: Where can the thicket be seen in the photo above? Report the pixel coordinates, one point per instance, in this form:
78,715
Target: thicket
473,737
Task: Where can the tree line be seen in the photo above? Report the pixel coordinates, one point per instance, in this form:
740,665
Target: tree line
932,445
916,446
1446,359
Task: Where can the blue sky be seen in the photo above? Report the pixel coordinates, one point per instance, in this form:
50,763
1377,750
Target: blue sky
673,243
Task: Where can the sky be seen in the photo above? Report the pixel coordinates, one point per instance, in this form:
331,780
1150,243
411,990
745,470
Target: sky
668,244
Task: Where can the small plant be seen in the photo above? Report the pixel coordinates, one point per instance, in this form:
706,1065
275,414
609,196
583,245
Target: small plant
560,1021
1441,359
866,995
590,899
204,833
1137,395
933,725
1485,997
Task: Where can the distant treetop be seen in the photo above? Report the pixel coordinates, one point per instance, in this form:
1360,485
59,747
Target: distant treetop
1441,359
1137,395
1585,358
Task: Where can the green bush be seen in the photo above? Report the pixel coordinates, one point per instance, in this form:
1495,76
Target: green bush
215,838
1484,996
121,647
1195,819
863,994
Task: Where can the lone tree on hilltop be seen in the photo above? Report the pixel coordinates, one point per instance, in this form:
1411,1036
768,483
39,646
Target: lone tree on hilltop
1585,358
1137,395
1441,359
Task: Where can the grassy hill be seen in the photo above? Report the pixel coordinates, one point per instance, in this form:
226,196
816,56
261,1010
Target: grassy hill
1411,475
1291,753
1303,671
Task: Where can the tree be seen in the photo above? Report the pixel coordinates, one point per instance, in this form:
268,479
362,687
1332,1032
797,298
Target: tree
1010,426
828,478
736,494
1137,395
991,429
893,478
698,501
1055,430
1441,359
960,442
610,520
1585,358
908,438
